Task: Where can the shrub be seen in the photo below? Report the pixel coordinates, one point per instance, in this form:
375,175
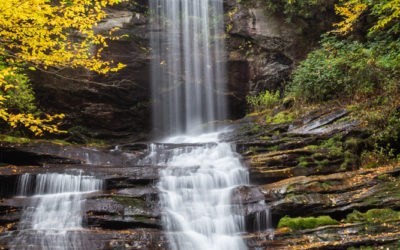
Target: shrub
342,67
265,100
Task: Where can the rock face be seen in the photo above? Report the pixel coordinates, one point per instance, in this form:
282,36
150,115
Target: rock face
125,214
112,106
305,167
310,167
261,52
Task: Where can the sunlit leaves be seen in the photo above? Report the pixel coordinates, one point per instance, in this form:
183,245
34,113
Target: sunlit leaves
387,13
350,11
45,33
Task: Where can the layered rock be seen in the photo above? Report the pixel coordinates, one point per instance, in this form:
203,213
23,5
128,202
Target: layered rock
261,52
305,167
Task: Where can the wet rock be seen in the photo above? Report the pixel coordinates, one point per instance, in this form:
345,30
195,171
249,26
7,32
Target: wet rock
50,153
335,194
101,239
329,237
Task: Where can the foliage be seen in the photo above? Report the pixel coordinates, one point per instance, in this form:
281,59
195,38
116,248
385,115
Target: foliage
386,13
351,11
372,216
383,120
306,222
388,139
342,67
281,117
265,100
37,34
300,8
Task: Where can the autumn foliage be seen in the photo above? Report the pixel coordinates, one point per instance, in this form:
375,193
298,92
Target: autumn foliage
38,34
386,12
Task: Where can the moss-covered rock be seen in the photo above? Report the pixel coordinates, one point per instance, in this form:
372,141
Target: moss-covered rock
306,222
373,216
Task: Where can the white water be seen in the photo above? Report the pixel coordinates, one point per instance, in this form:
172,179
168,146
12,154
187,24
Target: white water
54,216
188,69
196,192
188,85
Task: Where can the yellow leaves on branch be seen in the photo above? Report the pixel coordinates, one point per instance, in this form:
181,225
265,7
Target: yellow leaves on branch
386,11
350,11
49,33
392,8
36,125
40,31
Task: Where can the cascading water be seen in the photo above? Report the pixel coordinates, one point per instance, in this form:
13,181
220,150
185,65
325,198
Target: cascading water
53,217
196,189
188,69
188,85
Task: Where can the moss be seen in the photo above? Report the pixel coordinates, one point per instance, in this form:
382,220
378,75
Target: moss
372,216
306,222
361,248
12,139
253,149
129,201
318,156
354,145
322,164
291,195
350,160
382,177
302,162
281,117
313,147
264,138
273,148
326,185
256,128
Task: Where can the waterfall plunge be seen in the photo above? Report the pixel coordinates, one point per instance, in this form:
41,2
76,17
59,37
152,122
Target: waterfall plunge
188,85
196,189
188,73
53,219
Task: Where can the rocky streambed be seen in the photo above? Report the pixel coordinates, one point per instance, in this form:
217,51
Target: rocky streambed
307,167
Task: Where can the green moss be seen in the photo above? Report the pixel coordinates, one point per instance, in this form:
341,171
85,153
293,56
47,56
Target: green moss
331,143
361,248
350,160
129,201
264,138
382,177
12,139
325,185
281,117
256,128
372,216
273,148
306,222
322,164
302,162
354,145
313,147
318,156
291,195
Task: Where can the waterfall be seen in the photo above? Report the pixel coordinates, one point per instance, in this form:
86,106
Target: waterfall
188,94
196,189
188,69
53,218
